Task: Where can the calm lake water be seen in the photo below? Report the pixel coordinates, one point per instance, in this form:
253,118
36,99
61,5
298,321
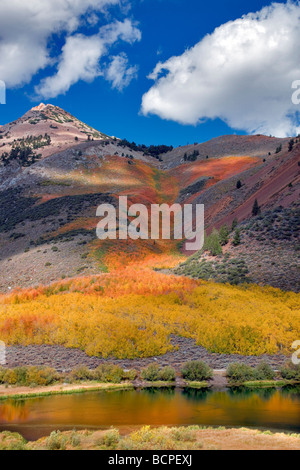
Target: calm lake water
260,409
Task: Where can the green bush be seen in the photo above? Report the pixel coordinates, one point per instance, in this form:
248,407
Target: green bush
264,372
224,235
239,373
75,439
256,210
56,441
237,238
223,270
151,373
290,372
21,374
110,439
109,373
212,243
196,371
167,374
234,225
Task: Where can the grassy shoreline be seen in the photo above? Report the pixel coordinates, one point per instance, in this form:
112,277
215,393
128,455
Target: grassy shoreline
198,385
15,393
32,382
20,393
158,438
270,383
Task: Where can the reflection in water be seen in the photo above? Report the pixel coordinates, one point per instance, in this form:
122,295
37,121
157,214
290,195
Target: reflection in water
158,391
293,392
241,394
198,395
14,411
268,408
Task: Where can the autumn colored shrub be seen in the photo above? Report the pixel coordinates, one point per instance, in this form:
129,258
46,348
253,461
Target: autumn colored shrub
130,374
8,376
81,374
12,441
42,376
196,371
105,373
29,376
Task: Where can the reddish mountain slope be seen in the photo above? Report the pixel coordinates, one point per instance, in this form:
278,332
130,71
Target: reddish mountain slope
279,186
275,182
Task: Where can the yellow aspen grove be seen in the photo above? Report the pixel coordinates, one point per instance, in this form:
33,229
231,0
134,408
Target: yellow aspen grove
132,314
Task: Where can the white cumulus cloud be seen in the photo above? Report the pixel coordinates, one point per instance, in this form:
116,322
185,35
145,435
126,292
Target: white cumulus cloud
119,73
27,26
241,73
80,60
27,31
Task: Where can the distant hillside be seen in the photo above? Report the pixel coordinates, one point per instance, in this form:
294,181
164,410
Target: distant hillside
226,146
48,198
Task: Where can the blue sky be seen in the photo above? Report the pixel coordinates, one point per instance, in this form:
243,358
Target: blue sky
168,28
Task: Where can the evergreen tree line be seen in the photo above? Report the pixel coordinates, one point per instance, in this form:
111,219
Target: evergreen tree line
153,150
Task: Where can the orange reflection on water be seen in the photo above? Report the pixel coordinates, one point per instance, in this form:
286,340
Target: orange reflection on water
269,409
14,411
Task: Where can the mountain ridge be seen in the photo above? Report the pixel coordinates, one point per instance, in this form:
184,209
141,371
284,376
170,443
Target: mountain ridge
48,207
63,128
